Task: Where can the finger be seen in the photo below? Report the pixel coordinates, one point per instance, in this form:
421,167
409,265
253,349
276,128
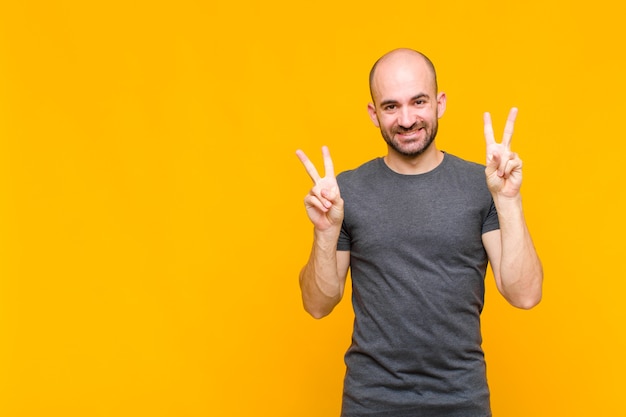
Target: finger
508,161
308,165
329,169
326,197
312,201
512,164
488,129
508,128
493,162
331,195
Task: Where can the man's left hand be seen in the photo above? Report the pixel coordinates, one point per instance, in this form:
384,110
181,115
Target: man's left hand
504,168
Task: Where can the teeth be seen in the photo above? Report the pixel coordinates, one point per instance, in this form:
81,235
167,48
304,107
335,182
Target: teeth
411,132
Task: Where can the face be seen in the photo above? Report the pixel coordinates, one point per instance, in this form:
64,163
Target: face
406,106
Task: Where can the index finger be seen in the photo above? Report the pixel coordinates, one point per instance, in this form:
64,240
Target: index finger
308,165
329,168
508,128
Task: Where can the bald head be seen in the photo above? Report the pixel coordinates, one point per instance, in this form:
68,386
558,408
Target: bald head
401,58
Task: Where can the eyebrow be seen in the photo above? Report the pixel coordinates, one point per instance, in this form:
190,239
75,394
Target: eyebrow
386,102
415,97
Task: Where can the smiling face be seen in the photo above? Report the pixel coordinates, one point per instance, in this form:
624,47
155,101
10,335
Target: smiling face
406,106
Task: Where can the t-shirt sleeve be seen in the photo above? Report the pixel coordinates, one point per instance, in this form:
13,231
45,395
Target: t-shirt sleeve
343,243
491,220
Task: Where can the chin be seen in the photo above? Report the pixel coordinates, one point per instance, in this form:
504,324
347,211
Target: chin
412,151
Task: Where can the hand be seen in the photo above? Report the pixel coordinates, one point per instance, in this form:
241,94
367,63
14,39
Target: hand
324,204
504,168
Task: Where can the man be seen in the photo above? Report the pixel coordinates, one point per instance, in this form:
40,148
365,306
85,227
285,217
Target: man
417,228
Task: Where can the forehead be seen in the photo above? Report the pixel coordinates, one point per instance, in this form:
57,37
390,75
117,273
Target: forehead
402,77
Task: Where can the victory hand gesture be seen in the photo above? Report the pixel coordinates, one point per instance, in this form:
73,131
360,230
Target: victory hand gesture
504,168
324,204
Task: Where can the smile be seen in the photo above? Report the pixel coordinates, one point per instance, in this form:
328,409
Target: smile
410,134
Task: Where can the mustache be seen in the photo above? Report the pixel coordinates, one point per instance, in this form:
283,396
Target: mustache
414,126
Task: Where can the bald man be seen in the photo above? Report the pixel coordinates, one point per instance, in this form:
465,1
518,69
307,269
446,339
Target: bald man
417,228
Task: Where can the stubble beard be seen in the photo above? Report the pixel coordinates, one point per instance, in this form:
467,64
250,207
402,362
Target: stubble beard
395,145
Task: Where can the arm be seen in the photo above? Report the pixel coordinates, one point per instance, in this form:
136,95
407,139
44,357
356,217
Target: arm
514,260
322,280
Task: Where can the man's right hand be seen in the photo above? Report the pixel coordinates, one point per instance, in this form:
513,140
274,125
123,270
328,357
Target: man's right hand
323,203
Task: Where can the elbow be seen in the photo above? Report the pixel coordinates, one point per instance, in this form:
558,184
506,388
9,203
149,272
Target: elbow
526,303
317,315
316,312
320,308
317,303
526,299
526,293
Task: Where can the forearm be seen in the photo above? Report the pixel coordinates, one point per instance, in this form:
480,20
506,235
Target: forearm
520,270
321,283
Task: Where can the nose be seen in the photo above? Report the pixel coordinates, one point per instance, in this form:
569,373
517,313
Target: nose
406,118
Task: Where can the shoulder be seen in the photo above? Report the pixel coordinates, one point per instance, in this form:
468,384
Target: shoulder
364,172
366,180
464,169
463,175
457,163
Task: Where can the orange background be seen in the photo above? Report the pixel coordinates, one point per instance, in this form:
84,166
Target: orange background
151,217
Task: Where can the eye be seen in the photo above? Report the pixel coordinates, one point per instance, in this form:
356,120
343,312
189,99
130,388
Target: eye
420,102
389,107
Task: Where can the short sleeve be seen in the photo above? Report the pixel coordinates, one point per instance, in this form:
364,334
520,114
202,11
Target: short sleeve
491,222
343,244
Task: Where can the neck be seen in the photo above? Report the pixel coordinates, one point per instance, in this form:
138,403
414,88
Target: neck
413,165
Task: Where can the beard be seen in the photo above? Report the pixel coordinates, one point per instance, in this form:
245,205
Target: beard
430,134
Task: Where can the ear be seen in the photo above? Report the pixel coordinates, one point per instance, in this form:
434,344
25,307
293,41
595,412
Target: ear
372,112
441,104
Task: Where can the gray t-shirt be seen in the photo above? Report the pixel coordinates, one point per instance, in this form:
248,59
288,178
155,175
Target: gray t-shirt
418,267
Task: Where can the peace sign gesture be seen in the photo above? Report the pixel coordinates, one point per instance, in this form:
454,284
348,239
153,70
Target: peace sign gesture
324,204
504,168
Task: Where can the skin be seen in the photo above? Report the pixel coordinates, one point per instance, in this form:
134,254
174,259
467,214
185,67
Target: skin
406,108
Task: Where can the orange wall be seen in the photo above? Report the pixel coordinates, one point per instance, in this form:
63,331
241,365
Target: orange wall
151,217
